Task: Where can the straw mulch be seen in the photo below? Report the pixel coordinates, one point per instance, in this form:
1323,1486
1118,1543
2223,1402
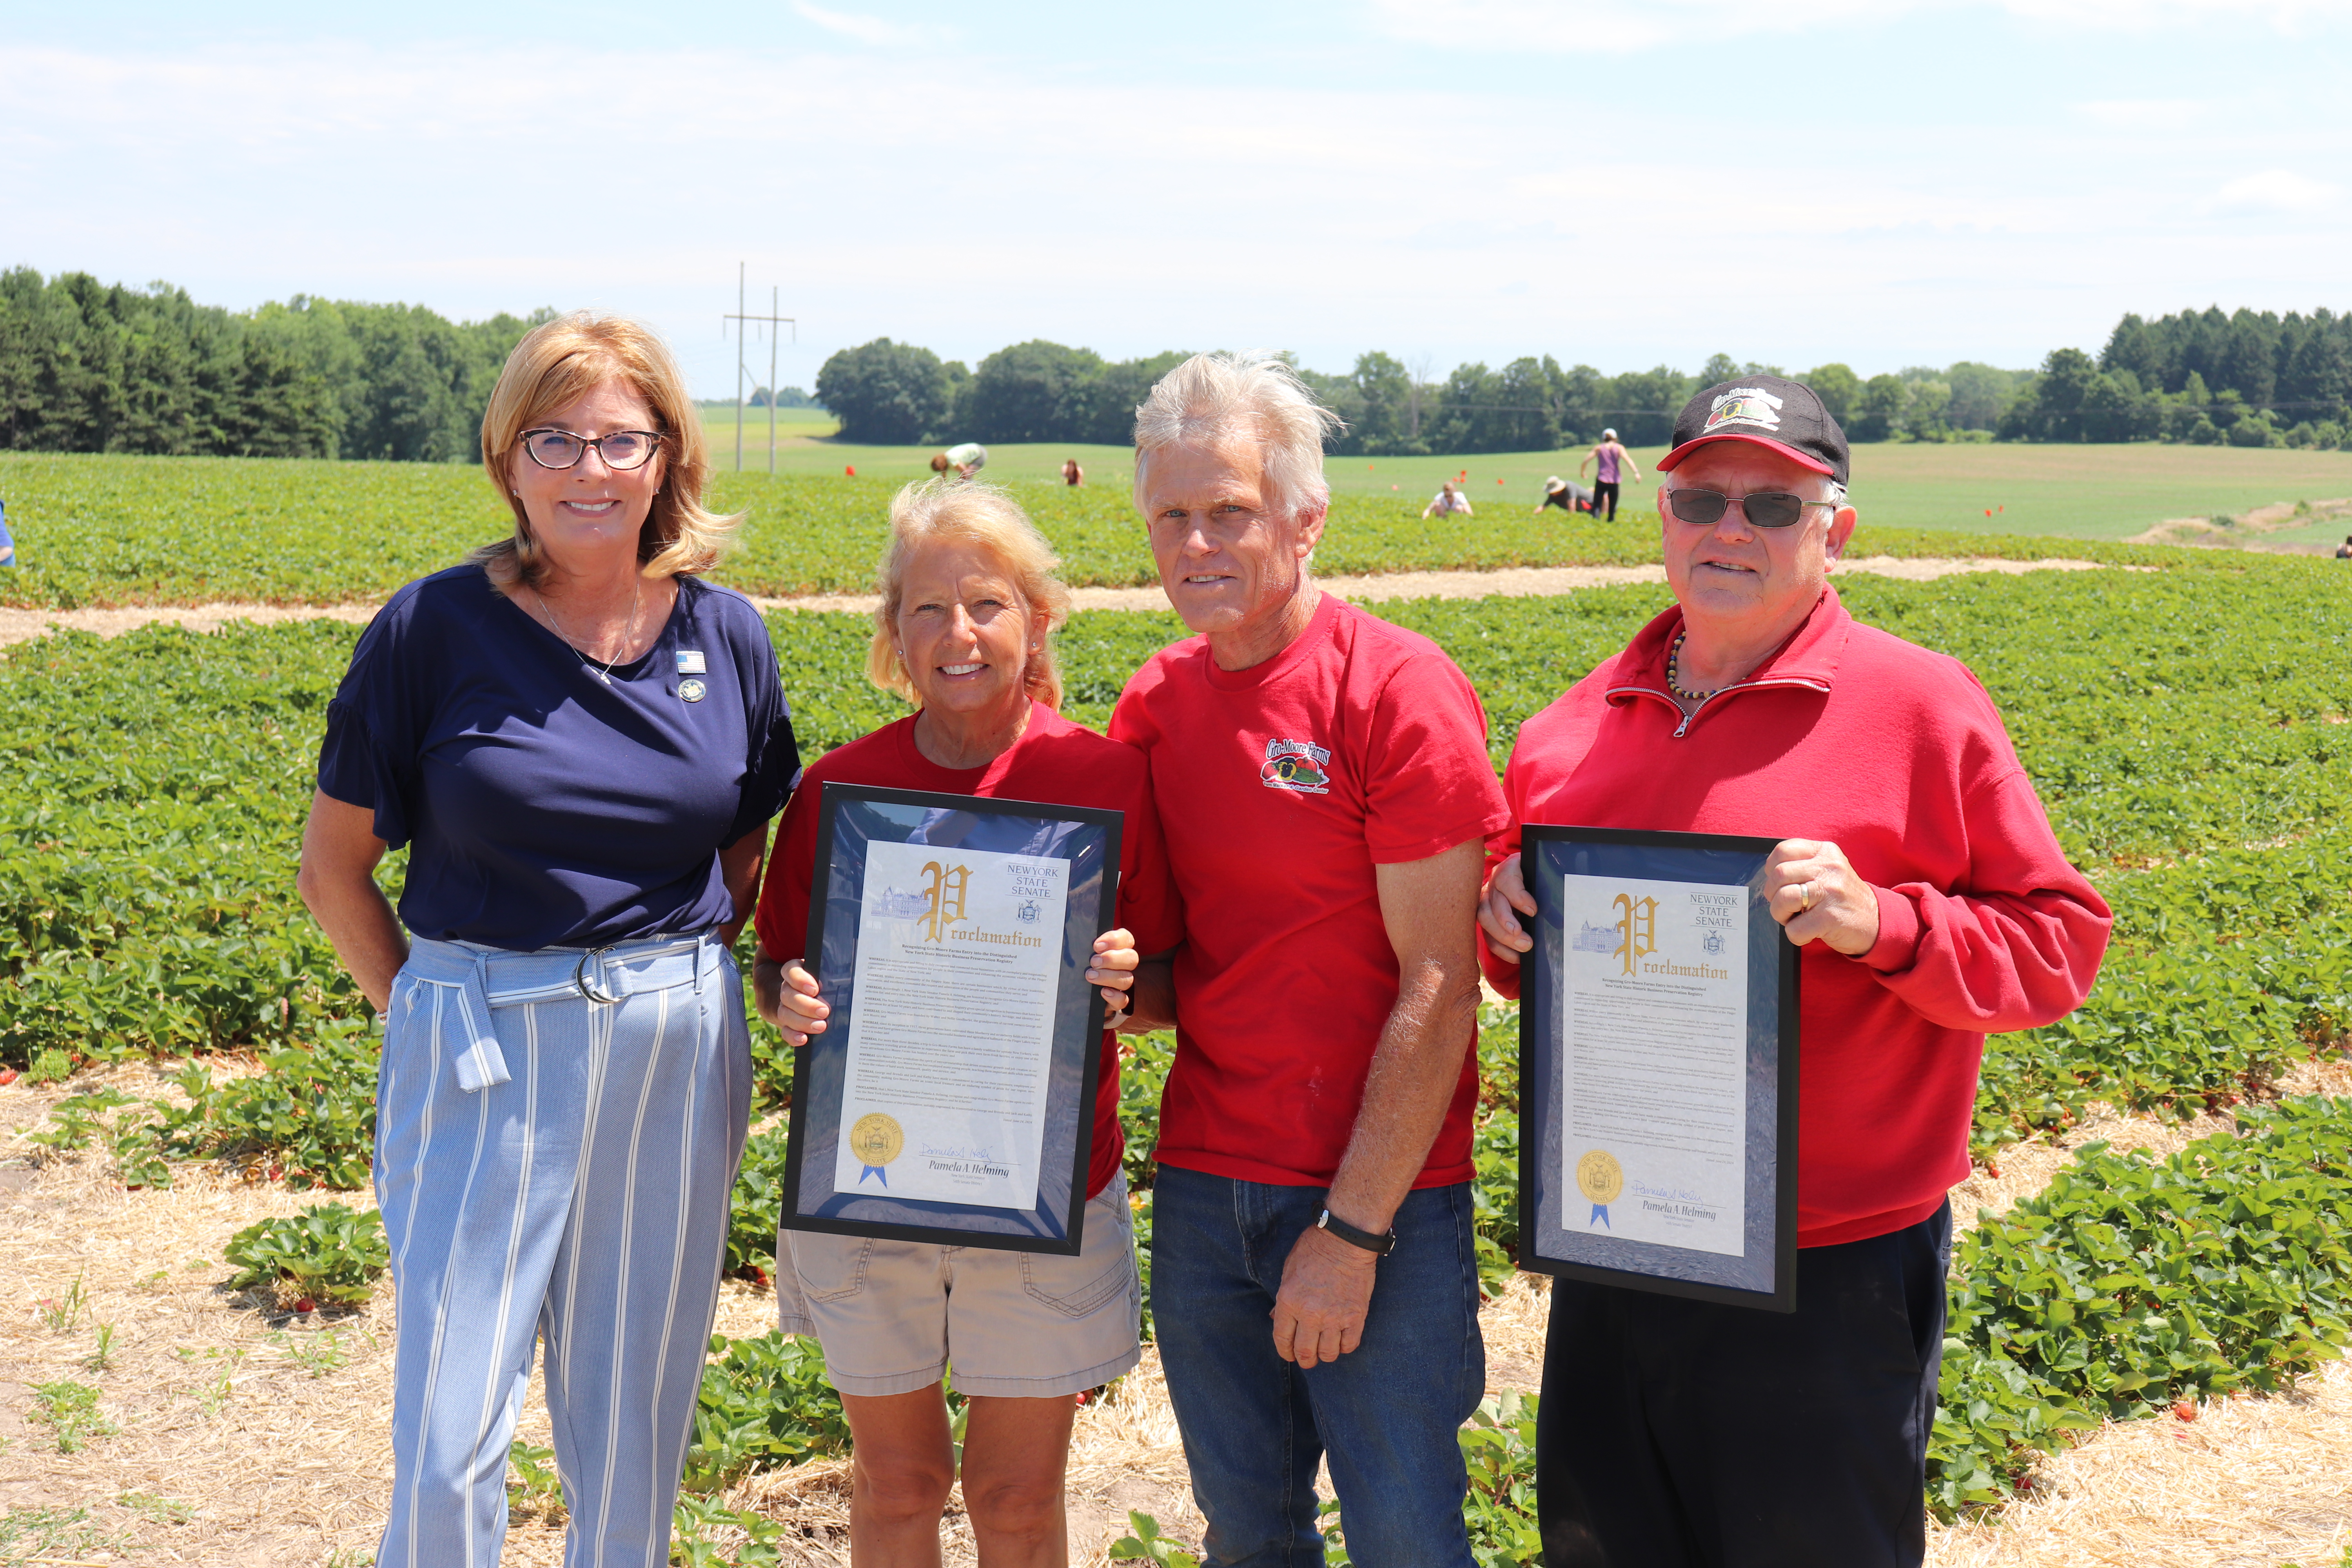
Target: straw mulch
260,1440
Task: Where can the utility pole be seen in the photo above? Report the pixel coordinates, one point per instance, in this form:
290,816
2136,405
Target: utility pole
742,320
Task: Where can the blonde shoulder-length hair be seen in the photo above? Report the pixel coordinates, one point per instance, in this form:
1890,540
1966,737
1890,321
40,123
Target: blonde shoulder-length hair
939,511
567,358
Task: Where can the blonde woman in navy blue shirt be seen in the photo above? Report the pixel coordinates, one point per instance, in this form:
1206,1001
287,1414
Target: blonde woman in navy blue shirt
580,742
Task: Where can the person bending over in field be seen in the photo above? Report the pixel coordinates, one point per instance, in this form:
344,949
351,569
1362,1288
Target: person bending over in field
1446,502
970,603
1323,783
1917,872
582,743
1569,498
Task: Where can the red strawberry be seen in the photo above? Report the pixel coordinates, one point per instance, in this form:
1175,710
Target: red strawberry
758,1276
2184,1411
304,1304
7,1076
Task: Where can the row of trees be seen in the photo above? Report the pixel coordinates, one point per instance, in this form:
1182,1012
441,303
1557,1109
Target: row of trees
893,394
2247,380
93,368
89,367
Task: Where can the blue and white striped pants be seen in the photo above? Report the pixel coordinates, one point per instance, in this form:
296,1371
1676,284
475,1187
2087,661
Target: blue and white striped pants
552,1166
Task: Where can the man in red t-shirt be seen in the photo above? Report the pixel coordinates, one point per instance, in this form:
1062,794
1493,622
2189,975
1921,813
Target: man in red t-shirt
1323,787
1917,872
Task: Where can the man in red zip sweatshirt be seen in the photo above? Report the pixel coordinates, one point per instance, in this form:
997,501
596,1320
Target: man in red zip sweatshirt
1919,874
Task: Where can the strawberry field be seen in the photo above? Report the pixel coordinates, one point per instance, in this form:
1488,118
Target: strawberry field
2187,728
102,530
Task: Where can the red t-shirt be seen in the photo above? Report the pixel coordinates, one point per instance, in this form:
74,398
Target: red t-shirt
1056,762
1279,788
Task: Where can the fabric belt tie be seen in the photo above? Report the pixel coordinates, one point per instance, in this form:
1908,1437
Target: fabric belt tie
486,978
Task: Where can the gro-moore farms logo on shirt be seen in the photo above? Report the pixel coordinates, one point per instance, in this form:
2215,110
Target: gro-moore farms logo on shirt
1295,765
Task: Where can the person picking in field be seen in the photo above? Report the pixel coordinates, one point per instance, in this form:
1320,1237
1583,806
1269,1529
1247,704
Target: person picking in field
1323,785
582,743
1610,465
1569,498
1446,502
1072,474
1918,873
970,603
967,459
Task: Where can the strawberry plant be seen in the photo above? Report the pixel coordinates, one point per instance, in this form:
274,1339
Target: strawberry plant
327,1254
311,1110
2131,1285
763,1403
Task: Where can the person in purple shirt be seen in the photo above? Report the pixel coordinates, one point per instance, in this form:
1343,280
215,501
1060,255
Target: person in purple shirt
1610,465
580,742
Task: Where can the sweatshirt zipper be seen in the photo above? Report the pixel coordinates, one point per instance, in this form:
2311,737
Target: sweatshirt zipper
1683,726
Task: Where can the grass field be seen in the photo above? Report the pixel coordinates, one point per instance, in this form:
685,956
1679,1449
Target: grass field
2082,491
102,530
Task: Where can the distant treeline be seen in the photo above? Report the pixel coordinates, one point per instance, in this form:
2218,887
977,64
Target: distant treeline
93,368
2247,380
889,394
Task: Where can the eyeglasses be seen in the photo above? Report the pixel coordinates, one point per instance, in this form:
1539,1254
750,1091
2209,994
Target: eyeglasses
1763,509
622,449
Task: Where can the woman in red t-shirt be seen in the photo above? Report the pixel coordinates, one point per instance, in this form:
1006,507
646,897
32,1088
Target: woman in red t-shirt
970,603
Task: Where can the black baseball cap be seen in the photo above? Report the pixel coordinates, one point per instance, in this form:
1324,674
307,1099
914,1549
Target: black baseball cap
1765,411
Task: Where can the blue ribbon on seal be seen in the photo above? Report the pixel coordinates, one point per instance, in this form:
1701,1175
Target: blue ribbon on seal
874,1171
1600,1215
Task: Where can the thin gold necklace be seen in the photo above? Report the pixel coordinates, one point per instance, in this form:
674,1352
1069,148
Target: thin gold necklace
628,633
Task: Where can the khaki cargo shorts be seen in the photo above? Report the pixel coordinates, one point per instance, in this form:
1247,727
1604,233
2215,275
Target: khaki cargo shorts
893,1315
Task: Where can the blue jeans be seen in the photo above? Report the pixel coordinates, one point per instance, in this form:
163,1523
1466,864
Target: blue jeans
1254,1425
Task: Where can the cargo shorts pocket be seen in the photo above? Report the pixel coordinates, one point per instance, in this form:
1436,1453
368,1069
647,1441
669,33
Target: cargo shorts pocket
830,1268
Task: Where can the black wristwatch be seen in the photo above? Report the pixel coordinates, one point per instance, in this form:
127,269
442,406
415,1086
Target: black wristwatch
1380,1246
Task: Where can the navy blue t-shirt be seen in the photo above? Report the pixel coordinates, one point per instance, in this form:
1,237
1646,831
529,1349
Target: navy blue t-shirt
547,808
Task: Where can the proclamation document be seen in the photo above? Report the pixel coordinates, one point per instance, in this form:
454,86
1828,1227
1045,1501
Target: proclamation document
951,1042
1654,1061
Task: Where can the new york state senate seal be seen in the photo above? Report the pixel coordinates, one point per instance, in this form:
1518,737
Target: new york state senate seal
876,1138
1599,1176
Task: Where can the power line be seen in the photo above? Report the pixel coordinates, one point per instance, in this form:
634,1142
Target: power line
773,321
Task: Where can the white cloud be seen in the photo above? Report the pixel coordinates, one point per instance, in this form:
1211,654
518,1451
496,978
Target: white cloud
1626,26
2278,190
870,29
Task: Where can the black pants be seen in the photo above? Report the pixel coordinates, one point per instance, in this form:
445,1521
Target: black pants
1604,490
1678,1434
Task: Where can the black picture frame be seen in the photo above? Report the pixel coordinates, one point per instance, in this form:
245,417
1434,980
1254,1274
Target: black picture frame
849,818
1764,1276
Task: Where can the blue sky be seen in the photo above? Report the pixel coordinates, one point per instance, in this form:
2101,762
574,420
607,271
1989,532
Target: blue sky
1881,182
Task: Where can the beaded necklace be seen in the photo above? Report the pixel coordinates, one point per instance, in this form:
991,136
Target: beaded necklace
1672,654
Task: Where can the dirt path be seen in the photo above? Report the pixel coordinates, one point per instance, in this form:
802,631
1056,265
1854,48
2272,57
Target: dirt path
2246,530
21,625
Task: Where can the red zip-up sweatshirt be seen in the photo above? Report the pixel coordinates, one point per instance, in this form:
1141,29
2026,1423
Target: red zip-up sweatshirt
1898,755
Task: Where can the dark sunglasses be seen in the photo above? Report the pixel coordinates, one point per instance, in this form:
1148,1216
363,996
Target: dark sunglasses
1763,509
622,450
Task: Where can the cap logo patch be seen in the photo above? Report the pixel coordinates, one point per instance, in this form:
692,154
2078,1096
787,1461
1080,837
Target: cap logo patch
1743,405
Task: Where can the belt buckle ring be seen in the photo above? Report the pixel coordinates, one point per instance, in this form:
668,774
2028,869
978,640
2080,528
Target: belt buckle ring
580,976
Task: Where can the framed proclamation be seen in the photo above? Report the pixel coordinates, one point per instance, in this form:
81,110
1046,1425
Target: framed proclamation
1658,1068
952,1097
